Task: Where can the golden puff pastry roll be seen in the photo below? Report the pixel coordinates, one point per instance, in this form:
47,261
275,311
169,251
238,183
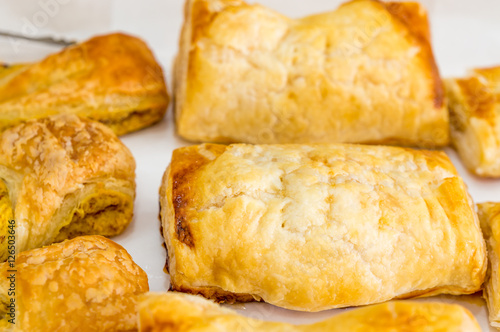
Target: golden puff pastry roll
364,73
183,313
474,104
489,214
314,227
61,177
85,284
114,79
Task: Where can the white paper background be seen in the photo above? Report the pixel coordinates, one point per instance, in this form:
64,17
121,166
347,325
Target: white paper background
466,34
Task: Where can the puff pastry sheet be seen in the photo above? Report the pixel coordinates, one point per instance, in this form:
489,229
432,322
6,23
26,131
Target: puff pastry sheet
61,177
313,227
364,73
475,120
182,313
489,214
89,283
113,78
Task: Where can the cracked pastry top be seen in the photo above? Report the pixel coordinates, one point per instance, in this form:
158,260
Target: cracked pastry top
86,284
114,79
313,227
364,73
489,214
183,313
61,177
474,104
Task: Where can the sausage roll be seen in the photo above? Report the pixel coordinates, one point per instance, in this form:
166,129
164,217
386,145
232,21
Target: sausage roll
474,104
364,73
86,284
313,227
114,79
489,214
183,313
61,177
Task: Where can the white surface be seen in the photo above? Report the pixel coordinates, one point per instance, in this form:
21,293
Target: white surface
465,35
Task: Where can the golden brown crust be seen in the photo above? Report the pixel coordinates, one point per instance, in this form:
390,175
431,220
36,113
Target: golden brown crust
414,17
489,214
182,172
113,78
261,219
89,283
66,176
340,80
183,313
474,104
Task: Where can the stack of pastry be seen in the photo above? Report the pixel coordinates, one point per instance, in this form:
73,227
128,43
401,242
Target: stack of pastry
296,224
63,175
312,227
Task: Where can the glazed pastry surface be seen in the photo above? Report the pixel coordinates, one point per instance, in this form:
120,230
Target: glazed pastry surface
183,313
314,227
364,73
489,214
85,284
114,79
475,120
61,177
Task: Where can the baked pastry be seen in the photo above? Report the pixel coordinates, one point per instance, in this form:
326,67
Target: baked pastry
113,78
489,214
474,104
61,177
86,284
182,313
364,73
313,227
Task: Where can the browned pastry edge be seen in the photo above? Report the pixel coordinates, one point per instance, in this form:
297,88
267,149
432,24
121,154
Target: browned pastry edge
217,294
418,26
182,172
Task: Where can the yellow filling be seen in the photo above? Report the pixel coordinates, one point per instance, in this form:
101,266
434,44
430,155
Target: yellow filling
133,121
6,214
104,213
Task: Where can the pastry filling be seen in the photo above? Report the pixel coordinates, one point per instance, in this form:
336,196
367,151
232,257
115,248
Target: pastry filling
133,121
6,214
105,213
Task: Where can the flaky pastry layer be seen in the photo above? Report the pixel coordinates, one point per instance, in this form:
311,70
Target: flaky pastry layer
489,214
113,78
364,73
86,284
64,177
183,313
313,227
474,104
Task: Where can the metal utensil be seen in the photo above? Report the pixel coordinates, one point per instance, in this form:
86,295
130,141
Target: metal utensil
46,40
